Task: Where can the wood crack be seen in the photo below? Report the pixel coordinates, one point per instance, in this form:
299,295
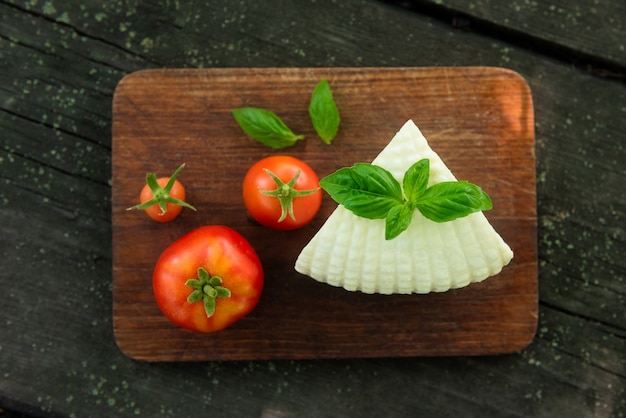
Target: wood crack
56,128
611,329
592,64
83,34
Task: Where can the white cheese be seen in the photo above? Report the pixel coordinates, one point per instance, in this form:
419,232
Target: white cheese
351,252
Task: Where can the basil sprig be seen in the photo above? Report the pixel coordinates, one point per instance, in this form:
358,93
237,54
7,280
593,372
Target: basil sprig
323,112
370,191
265,126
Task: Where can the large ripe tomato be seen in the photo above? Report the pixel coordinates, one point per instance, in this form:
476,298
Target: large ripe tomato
163,198
208,279
282,192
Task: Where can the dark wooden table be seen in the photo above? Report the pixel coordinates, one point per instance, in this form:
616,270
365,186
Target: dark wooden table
60,62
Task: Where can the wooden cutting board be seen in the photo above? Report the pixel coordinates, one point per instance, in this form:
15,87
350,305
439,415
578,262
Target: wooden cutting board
478,119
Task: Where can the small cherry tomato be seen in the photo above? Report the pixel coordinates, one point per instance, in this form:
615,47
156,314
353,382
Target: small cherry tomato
208,279
164,198
282,192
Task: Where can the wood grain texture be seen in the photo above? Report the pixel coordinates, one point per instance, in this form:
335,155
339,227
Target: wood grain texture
588,29
61,62
480,121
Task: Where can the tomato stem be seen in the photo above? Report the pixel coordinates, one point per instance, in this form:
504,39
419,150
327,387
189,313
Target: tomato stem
286,193
207,289
161,195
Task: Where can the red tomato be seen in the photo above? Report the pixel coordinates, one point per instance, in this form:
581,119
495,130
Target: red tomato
282,192
208,279
164,198
172,210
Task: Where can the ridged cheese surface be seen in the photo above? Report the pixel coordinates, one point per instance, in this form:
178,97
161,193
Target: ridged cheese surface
351,252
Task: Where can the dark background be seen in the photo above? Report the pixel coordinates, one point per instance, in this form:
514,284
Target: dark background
60,62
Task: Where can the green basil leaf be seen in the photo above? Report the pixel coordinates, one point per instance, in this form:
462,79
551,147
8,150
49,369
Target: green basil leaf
367,190
446,201
415,181
398,220
265,127
323,112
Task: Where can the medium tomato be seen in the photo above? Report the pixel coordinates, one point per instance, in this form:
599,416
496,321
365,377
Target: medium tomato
164,198
208,279
282,192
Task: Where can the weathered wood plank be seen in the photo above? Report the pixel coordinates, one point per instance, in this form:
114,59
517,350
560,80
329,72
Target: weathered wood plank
46,52
575,366
590,31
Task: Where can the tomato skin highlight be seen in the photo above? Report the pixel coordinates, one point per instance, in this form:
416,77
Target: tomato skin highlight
223,252
173,210
266,209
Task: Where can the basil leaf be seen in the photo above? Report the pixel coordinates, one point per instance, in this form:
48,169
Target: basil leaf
372,192
415,181
323,112
265,127
446,201
367,190
398,220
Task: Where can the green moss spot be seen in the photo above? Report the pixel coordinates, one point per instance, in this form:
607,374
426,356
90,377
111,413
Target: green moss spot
48,8
147,43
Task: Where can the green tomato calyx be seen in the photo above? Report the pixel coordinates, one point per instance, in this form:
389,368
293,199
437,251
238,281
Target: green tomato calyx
207,289
161,195
286,193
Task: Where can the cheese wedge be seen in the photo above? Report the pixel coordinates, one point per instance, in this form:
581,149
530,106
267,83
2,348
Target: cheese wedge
351,252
